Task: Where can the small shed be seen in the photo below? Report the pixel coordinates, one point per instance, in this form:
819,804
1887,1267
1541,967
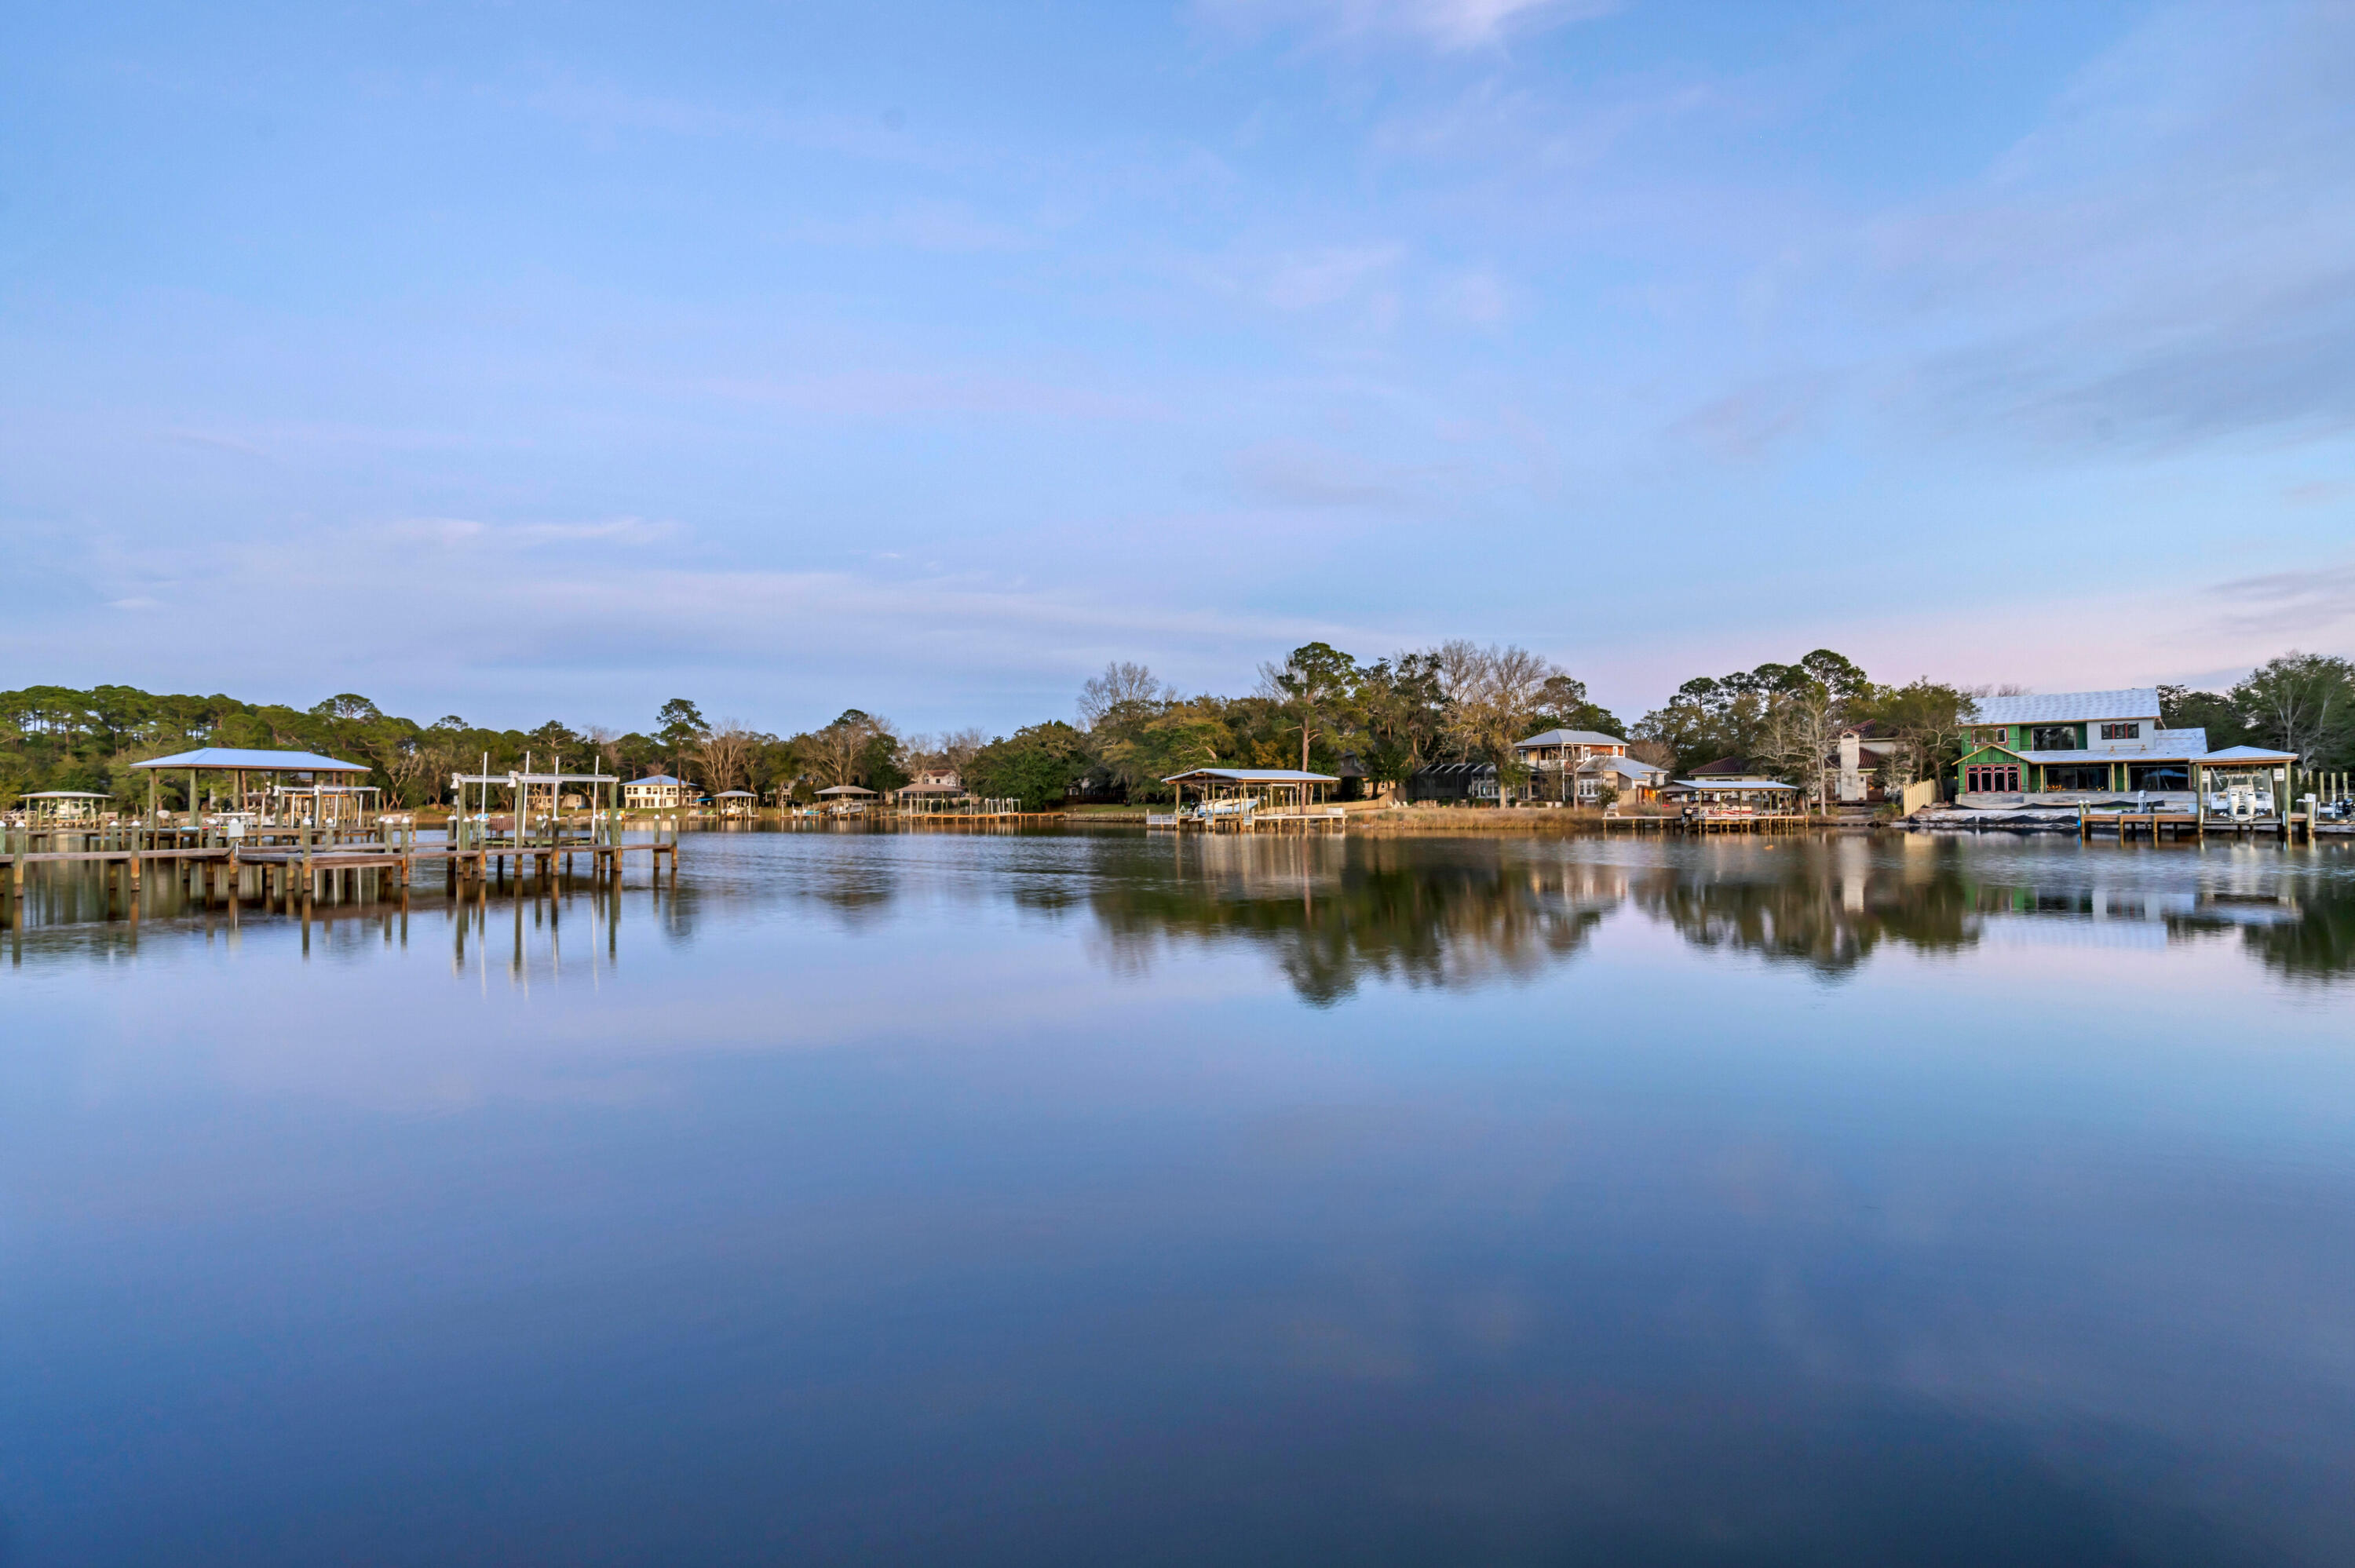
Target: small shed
737,802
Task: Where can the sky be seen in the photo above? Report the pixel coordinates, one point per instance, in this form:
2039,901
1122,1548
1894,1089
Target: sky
530,360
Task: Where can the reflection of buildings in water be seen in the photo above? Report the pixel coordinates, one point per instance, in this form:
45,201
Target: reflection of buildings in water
1436,913
1456,912
1830,902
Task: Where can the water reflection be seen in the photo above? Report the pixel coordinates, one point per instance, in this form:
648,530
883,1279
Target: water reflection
1452,913
893,1198
1335,913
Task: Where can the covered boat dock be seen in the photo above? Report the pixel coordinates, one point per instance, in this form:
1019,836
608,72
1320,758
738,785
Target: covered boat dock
1246,798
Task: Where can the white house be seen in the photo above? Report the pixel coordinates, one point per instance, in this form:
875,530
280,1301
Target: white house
657,792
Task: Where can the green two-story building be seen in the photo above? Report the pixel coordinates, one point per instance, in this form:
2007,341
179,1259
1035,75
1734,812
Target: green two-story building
2063,748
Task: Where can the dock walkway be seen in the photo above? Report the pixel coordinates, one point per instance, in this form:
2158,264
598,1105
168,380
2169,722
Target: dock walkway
290,865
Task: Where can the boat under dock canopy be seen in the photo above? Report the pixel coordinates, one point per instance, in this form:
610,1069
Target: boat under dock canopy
1247,796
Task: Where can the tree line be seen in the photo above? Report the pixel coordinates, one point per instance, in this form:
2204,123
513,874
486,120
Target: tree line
1318,709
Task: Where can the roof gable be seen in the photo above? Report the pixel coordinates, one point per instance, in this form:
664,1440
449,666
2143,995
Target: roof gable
1571,737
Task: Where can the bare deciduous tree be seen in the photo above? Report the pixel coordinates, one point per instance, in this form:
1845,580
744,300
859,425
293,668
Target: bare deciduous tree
1491,693
957,748
1802,730
723,755
1122,681
835,753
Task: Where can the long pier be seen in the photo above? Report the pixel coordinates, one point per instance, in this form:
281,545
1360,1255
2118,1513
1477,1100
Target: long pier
318,862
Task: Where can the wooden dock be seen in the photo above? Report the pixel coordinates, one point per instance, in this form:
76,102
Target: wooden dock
1701,824
2161,826
294,867
1251,822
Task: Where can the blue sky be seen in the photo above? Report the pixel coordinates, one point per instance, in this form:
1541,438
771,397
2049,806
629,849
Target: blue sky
533,360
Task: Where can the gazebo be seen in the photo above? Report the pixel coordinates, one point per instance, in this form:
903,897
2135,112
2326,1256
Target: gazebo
60,805
737,802
241,765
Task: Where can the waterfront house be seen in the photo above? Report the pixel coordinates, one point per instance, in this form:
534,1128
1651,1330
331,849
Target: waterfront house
2065,748
1592,761
657,792
1851,772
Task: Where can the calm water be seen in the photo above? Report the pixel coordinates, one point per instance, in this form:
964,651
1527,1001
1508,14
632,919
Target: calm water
894,1199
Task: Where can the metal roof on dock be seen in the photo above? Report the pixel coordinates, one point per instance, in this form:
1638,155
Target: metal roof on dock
1255,776
256,761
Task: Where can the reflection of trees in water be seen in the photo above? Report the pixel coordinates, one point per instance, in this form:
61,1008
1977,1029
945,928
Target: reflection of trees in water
1821,903
2317,943
1336,910
1452,912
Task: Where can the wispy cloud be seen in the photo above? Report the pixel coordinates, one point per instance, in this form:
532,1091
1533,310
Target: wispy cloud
1477,296
1450,26
1308,281
1744,423
466,534
2164,263
2291,604
1291,473
951,228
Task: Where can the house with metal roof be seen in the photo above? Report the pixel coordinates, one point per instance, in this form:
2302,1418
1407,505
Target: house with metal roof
657,792
1581,764
2067,749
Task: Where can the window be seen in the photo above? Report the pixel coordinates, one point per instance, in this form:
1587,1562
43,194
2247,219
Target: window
1995,736
2121,731
2078,775
2159,776
2053,737
1987,780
